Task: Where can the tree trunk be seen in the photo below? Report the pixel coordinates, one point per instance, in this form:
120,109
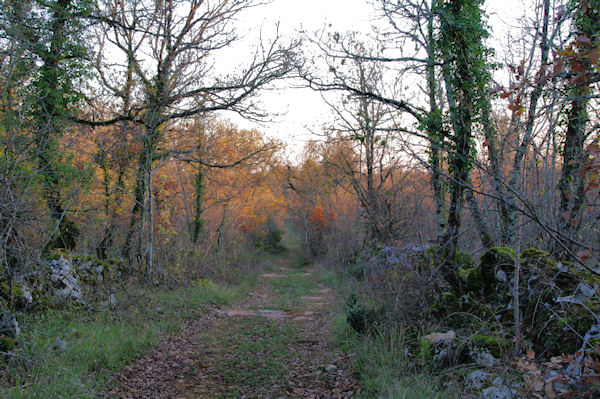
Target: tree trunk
434,133
198,222
49,114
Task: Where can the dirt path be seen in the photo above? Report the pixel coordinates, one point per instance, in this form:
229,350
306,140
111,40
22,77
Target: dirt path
276,345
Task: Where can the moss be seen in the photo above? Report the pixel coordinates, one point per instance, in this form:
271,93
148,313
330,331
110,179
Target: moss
5,289
7,343
56,255
582,273
432,252
424,350
17,291
495,345
493,258
464,259
539,258
88,277
472,278
498,255
447,302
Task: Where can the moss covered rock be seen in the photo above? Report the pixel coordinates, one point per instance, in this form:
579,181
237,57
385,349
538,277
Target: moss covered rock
495,345
440,349
555,311
495,263
534,257
464,259
471,278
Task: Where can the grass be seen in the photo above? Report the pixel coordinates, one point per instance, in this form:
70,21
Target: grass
100,342
381,363
380,360
289,290
261,349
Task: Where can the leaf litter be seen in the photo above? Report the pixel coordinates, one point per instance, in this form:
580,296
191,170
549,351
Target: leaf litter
245,353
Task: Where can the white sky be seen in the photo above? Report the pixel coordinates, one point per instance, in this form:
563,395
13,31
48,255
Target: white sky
297,112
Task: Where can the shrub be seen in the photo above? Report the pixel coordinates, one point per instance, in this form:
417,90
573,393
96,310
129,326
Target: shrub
361,317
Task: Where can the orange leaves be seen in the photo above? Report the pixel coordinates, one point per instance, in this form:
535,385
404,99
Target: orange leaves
321,220
317,216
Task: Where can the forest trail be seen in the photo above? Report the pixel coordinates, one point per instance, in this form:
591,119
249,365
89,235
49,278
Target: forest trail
275,345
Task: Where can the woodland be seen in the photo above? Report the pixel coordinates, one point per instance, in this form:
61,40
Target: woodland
438,237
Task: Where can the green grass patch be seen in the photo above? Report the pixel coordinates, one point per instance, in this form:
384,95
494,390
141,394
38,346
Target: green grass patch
328,278
262,353
381,363
100,342
288,291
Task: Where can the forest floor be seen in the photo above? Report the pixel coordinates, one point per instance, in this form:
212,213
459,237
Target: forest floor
277,344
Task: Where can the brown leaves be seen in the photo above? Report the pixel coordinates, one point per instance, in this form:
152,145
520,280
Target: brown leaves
583,41
585,255
159,373
593,55
553,380
581,56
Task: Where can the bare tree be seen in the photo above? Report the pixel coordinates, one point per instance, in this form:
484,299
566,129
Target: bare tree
368,125
166,72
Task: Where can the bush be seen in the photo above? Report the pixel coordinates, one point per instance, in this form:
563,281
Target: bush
361,317
272,238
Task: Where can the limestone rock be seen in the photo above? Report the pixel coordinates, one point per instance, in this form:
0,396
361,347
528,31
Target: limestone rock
9,325
477,379
498,392
59,344
62,275
437,338
484,359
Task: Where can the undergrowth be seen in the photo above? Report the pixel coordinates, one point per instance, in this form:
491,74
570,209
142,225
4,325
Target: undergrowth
380,360
381,364
100,342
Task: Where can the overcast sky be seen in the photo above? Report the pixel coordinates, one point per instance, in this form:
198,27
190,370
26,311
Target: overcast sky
297,113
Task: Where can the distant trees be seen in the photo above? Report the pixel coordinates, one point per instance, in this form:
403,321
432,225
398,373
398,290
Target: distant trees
166,74
376,176
100,101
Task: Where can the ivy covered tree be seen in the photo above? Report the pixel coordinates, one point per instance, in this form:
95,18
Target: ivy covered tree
464,58
581,56
51,37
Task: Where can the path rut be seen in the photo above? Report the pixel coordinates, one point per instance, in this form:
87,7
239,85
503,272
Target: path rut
275,345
